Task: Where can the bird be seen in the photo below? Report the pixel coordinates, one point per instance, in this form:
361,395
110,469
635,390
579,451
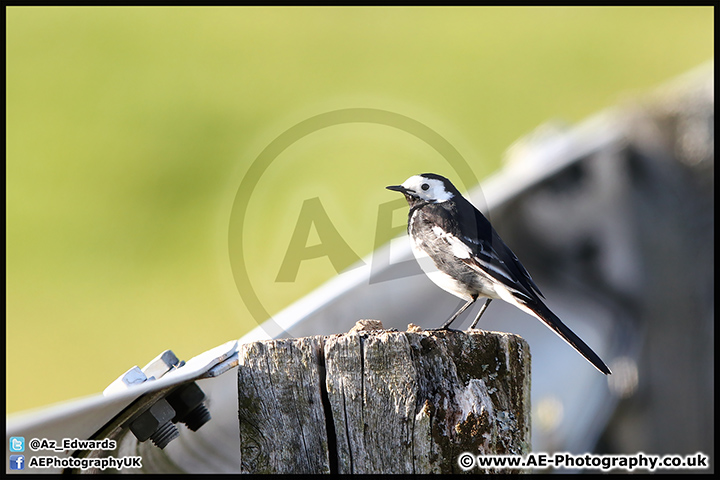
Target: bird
460,251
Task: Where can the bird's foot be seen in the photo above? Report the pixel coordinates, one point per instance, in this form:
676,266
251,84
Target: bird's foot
442,329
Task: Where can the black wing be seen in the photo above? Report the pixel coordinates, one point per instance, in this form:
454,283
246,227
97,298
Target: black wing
492,255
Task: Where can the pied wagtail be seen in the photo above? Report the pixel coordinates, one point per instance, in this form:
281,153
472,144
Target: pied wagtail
458,249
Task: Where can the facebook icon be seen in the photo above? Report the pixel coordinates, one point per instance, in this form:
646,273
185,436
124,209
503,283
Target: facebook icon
17,462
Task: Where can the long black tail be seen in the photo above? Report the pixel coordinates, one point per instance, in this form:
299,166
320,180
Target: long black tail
557,326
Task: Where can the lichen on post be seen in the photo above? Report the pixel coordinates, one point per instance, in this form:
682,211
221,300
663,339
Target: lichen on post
377,401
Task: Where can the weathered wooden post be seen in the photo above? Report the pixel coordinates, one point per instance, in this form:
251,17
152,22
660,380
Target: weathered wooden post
377,401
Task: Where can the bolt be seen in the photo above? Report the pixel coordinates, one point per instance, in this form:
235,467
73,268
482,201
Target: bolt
187,401
184,404
166,433
134,376
163,363
155,423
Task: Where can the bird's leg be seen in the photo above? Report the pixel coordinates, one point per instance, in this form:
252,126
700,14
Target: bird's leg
462,309
482,310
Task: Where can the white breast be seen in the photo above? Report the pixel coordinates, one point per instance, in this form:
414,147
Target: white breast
438,277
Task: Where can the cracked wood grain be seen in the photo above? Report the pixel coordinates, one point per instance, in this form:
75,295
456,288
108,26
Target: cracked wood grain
382,402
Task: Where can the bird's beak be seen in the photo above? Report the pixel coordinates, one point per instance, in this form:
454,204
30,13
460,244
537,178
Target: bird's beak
397,188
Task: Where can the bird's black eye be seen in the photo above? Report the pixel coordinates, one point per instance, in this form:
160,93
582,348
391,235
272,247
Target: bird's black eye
425,186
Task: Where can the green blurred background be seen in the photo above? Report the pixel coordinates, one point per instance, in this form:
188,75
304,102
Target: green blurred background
129,131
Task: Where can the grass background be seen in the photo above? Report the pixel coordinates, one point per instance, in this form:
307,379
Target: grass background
129,131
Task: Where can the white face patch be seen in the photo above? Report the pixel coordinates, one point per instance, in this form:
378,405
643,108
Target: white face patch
433,192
